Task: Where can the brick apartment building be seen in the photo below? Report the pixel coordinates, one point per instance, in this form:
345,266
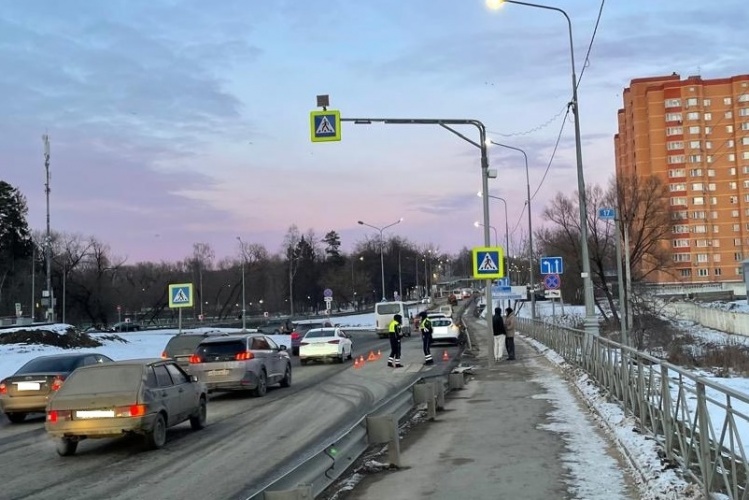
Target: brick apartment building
694,134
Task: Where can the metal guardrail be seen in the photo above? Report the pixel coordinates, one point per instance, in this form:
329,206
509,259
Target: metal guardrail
699,423
324,464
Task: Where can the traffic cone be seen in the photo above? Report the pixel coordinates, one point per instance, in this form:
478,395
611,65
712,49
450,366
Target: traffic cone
361,360
356,363
379,354
445,357
372,356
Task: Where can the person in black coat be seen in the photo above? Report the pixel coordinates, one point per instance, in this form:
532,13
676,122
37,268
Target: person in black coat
500,333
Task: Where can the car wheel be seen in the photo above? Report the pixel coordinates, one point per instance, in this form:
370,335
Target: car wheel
66,447
350,353
16,418
262,385
198,420
156,437
341,356
286,380
304,361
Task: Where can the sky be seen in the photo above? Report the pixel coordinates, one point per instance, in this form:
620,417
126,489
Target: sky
176,122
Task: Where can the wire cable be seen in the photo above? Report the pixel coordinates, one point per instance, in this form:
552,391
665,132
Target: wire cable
590,45
534,129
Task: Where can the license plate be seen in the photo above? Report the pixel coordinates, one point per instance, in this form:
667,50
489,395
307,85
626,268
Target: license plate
94,414
29,386
217,373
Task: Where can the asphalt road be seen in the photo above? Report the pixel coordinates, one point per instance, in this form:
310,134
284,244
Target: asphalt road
246,438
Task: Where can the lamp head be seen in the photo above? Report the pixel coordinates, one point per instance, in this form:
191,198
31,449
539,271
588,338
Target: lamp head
494,4
479,194
360,222
476,224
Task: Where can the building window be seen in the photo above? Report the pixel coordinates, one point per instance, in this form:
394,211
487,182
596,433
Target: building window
746,198
697,200
745,155
729,129
708,130
680,243
692,115
680,215
678,201
731,157
745,141
677,187
673,103
734,213
733,200
702,272
697,172
713,215
739,271
737,256
674,130
700,229
698,215
736,228
710,172
694,144
744,98
677,172
711,186
709,158
717,271
680,229
728,115
701,243
716,229
696,186
673,117
708,116
737,242
708,144
744,126
732,171
694,130
706,103
713,201
674,145
702,257
744,112
727,101
733,185
692,101
682,257
695,158
729,143
673,159
745,170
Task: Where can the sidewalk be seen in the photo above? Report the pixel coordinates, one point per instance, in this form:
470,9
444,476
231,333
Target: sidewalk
503,437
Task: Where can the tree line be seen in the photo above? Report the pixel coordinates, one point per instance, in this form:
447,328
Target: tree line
91,284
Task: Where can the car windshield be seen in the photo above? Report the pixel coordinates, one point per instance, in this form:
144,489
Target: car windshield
50,365
183,344
309,326
221,349
316,334
388,308
441,322
103,378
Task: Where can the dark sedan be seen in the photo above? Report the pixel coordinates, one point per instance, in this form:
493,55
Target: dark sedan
29,389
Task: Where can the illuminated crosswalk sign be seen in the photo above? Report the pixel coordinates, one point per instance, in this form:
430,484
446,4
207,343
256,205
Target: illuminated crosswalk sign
488,262
180,295
325,126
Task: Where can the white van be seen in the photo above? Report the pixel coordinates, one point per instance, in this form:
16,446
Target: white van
384,312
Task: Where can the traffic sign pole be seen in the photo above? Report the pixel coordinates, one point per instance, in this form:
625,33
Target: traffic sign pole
624,317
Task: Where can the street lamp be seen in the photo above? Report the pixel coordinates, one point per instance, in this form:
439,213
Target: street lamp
244,301
591,324
507,232
478,224
353,287
382,244
530,226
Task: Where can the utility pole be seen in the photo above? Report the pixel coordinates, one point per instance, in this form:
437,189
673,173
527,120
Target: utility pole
400,277
244,298
48,239
33,281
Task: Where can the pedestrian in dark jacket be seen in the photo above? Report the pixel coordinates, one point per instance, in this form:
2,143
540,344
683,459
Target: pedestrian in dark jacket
510,339
498,326
394,333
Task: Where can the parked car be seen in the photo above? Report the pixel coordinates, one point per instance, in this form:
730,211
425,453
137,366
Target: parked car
125,326
325,343
283,327
241,362
140,396
28,390
444,330
183,345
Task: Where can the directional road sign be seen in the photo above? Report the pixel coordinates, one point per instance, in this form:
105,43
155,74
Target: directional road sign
180,295
607,213
488,262
552,282
552,265
327,292
325,126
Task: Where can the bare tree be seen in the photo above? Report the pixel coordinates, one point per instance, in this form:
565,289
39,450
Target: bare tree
291,248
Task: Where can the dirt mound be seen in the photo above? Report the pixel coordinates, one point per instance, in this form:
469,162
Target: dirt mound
69,340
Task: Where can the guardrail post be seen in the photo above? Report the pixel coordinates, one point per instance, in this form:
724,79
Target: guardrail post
424,393
456,381
440,386
668,429
301,492
384,429
704,436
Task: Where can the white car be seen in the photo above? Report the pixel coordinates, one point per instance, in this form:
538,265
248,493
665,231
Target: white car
443,330
325,343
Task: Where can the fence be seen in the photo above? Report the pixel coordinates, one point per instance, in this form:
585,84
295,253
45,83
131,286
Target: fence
701,425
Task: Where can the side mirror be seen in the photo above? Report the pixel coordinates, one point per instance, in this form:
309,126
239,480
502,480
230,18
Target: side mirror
282,347
193,378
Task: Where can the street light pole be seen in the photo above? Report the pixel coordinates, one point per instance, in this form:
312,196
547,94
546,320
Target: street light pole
530,226
244,301
382,244
507,234
496,240
48,238
591,323
400,276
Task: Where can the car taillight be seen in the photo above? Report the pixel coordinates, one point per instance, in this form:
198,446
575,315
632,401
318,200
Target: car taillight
164,355
130,411
336,341
195,359
3,388
58,415
244,356
57,383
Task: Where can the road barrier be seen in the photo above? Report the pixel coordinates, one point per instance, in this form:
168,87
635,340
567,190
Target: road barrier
701,425
316,470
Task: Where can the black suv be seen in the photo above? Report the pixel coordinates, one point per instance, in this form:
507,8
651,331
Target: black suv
183,345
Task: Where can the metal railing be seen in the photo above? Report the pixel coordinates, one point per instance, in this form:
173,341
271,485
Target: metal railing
700,424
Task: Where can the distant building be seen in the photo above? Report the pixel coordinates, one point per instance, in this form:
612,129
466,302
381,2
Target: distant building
694,134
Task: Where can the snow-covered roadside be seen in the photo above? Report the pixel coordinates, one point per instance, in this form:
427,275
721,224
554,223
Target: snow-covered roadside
655,479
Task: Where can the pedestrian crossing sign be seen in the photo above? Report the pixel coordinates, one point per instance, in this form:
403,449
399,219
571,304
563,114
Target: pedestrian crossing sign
488,263
180,295
325,125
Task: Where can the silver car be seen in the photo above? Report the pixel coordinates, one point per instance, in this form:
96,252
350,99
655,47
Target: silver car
241,362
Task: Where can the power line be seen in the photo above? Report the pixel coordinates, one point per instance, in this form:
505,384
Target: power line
590,45
553,155
534,129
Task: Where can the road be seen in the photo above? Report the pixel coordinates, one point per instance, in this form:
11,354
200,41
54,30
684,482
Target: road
246,439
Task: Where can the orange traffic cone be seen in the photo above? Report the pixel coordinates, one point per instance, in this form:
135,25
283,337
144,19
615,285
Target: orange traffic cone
445,357
356,363
361,360
379,354
372,356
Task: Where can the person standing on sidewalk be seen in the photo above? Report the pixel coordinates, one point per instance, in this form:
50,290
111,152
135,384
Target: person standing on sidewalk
498,327
510,339
394,334
425,327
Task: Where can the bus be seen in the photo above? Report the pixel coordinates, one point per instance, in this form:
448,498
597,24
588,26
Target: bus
384,312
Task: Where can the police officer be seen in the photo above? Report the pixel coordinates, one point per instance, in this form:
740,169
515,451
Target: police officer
394,334
425,327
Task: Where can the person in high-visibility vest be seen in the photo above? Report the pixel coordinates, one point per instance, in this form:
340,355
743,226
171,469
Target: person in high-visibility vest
425,327
394,334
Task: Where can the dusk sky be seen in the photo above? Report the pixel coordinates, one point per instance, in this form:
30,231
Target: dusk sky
173,122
